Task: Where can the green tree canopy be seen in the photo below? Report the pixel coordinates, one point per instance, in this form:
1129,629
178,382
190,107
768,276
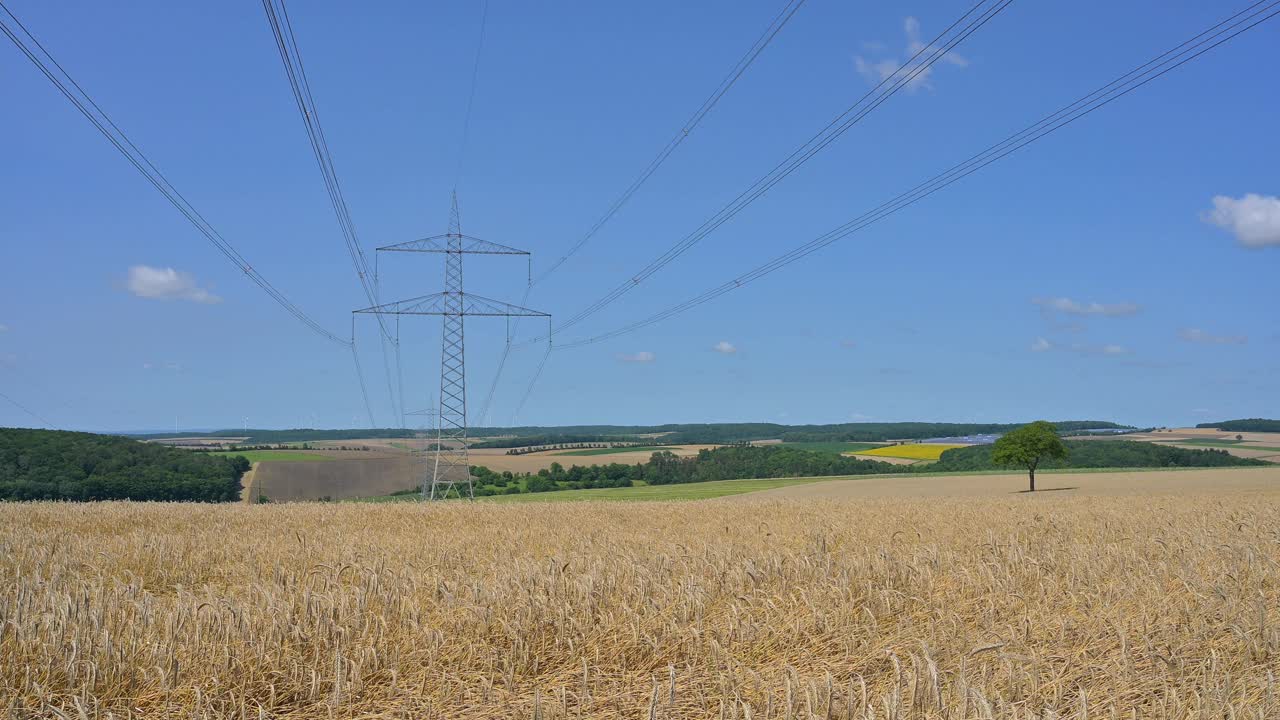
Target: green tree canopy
1028,446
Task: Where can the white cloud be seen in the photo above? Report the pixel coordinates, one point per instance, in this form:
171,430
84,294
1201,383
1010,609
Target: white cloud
1255,219
173,366
167,284
911,27
644,356
1042,345
1196,335
726,347
4,328
1072,307
878,71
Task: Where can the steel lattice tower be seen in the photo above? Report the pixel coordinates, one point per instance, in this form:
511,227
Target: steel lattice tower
452,425
451,471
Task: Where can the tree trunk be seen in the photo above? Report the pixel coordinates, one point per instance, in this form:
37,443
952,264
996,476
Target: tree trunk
1032,475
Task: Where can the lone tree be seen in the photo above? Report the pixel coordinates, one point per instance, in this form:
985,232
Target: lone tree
1027,446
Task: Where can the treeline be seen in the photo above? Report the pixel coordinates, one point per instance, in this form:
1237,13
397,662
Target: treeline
58,465
746,461
672,434
729,433
578,477
880,432
1245,425
1099,454
263,437
666,468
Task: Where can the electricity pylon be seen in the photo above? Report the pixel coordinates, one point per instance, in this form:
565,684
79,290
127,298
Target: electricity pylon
451,471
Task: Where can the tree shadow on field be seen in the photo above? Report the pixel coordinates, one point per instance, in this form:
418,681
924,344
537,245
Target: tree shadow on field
1043,490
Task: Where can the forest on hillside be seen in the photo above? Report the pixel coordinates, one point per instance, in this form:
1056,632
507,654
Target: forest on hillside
1245,425
671,434
727,433
1100,454
59,465
266,437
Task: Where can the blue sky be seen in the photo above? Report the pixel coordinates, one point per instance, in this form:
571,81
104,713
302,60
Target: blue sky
1092,275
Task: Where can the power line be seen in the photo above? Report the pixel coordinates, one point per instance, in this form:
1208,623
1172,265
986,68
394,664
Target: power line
364,391
1187,51
112,132
291,57
534,381
399,376
512,329
295,71
775,26
471,95
28,411
876,96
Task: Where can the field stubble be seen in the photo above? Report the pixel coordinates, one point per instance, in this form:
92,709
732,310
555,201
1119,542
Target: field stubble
1035,606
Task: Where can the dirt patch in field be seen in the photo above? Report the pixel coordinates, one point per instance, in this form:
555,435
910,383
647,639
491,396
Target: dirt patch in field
247,485
339,479
1209,480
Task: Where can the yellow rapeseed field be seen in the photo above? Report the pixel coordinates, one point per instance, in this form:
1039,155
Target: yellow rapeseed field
1013,607
914,451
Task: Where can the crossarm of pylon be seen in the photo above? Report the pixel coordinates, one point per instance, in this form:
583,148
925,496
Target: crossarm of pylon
440,244
451,303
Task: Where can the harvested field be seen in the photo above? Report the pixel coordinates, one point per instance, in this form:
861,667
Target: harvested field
257,456
386,469
839,448
1239,450
381,447
1046,605
336,479
1203,481
609,451
1205,434
197,441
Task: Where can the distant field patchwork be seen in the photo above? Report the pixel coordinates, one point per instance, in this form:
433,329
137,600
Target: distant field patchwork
1225,445
276,455
839,448
588,452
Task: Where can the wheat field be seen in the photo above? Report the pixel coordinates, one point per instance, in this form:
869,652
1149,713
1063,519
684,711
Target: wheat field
1013,607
